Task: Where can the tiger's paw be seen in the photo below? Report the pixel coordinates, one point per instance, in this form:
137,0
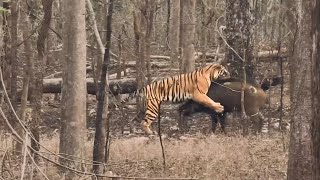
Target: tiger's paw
219,108
148,131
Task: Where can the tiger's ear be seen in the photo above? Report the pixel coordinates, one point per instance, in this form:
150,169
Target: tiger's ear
253,90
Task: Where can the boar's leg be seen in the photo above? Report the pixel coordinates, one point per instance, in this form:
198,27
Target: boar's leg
215,118
214,121
222,118
184,111
258,123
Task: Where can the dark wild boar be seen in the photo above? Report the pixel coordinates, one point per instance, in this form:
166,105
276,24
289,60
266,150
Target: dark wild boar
228,93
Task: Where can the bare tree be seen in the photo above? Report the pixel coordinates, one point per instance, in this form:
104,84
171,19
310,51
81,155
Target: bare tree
5,65
73,110
28,59
238,36
37,74
143,26
99,151
174,29
139,53
96,64
208,16
315,90
299,163
14,8
149,13
187,35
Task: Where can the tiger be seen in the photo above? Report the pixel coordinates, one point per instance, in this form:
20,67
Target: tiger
178,88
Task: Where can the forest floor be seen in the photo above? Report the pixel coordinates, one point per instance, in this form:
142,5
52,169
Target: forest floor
191,156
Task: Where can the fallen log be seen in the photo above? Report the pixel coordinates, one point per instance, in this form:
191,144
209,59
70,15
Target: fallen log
114,75
272,54
119,86
160,57
132,64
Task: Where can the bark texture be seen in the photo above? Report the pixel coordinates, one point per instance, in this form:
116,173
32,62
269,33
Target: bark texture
73,110
148,14
187,35
315,90
99,150
174,33
238,36
139,53
37,73
28,59
299,163
14,8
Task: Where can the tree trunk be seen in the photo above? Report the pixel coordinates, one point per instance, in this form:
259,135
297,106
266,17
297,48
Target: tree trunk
2,49
73,111
139,54
149,18
5,65
174,32
13,51
299,163
187,35
37,74
238,36
99,151
14,65
28,58
315,91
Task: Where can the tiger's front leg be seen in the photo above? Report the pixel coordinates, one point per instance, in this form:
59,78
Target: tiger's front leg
152,111
205,100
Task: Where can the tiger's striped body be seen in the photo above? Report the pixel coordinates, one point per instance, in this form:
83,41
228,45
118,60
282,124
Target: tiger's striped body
178,88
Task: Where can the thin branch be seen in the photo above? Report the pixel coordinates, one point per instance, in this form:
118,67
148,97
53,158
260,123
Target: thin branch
35,164
95,27
54,31
224,39
24,164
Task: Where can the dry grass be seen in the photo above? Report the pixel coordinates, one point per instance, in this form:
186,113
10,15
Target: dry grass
204,157
211,157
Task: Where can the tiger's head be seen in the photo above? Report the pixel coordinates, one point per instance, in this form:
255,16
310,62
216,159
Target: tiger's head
217,71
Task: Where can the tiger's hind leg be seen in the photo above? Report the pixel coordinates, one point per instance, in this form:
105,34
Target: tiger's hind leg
205,100
136,119
146,124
